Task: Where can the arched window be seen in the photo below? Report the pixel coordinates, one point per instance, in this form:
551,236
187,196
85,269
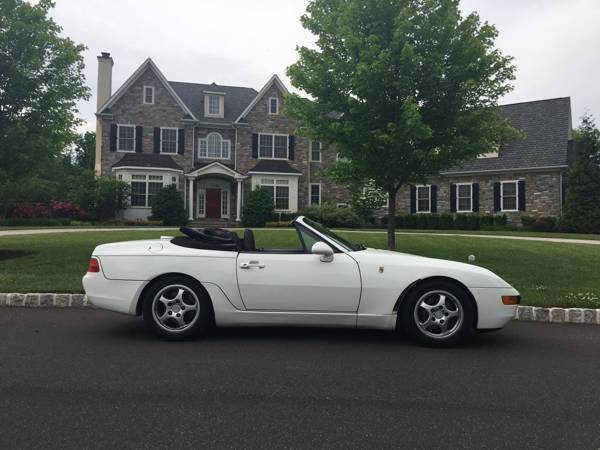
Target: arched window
214,147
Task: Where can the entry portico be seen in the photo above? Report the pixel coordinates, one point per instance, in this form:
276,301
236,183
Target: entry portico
211,190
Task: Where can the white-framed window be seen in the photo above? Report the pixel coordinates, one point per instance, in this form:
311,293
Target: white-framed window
169,139
423,199
201,203
126,138
274,105
315,193
144,188
273,146
148,95
214,147
214,105
464,197
279,190
224,203
315,151
509,195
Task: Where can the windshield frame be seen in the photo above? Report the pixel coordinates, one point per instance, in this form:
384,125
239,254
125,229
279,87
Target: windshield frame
329,236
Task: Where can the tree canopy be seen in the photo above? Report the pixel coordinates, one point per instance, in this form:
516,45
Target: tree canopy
402,89
41,79
581,212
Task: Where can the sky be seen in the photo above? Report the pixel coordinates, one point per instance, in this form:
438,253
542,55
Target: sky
555,43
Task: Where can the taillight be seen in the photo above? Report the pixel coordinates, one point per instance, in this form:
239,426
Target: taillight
94,265
511,299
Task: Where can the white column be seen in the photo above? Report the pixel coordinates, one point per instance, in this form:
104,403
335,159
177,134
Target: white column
238,216
191,200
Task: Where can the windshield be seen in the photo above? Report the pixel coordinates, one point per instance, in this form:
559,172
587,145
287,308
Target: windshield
346,245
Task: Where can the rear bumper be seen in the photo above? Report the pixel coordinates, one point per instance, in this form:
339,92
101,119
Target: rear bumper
492,313
114,295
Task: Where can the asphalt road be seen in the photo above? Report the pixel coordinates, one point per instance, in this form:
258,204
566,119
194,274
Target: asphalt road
75,379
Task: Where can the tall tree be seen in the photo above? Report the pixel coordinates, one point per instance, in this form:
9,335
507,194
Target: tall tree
402,88
581,212
84,152
41,79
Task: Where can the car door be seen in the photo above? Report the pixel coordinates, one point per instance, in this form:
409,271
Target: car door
298,282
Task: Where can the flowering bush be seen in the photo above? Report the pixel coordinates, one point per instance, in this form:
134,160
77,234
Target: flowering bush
55,209
30,211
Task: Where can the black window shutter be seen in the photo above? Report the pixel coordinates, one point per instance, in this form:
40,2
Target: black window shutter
475,194
433,198
291,146
156,140
452,197
138,138
181,141
522,195
113,138
497,197
413,199
255,145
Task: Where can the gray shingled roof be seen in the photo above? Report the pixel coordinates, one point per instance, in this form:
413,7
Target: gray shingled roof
147,160
236,99
274,166
547,125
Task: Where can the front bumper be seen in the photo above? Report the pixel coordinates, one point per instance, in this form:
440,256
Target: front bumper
114,295
492,313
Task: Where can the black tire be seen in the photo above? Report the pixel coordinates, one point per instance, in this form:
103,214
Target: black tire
177,308
423,314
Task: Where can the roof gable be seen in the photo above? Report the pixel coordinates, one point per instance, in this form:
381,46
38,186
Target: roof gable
273,80
148,64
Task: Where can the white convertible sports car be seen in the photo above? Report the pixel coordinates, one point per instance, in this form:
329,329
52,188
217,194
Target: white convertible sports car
182,286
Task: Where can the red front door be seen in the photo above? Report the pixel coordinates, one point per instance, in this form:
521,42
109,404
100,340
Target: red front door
213,203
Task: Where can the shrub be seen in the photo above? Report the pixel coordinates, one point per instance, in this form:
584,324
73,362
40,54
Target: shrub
34,222
527,222
258,208
547,223
331,216
446,221
167,206
472,222
500,221
278,224
486,221
109,197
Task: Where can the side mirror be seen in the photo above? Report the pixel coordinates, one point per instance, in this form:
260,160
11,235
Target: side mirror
321,248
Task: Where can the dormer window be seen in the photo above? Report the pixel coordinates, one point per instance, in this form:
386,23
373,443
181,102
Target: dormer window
492,154
214,103
274,105
148,95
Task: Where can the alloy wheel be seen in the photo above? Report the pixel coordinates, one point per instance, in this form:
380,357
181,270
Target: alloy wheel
438,314
175,308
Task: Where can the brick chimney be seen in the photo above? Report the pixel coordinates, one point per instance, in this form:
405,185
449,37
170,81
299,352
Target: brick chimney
105,64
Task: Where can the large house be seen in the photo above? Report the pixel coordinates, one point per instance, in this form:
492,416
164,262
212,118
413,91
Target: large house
216,143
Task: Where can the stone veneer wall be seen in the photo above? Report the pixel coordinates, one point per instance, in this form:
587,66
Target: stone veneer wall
165,112
542,193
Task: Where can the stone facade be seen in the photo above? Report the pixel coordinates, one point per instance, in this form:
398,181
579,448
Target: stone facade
542,193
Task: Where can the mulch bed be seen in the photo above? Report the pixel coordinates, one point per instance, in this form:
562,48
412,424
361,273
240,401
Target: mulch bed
13,254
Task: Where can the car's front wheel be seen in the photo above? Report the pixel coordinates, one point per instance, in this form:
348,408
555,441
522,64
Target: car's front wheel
177,308
437,313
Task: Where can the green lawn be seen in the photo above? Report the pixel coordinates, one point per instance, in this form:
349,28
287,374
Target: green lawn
546,274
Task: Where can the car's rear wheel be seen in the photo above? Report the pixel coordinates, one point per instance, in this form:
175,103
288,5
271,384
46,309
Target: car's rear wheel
177,308
437,313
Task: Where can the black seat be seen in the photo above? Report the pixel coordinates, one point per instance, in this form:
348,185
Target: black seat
249,244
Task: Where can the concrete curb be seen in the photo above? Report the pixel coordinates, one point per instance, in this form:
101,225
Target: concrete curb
524,313
47,300
558,315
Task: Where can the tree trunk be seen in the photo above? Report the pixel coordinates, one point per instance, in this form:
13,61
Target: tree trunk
391,231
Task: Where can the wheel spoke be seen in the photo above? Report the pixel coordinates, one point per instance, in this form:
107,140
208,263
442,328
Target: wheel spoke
441,301
164,300
179,295
451,313
427,307
443,327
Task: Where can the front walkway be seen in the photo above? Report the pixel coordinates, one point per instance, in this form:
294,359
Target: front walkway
484,236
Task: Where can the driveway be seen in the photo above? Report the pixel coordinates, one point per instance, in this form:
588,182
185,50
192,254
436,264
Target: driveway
78,378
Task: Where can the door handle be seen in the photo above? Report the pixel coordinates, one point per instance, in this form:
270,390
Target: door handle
249,265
